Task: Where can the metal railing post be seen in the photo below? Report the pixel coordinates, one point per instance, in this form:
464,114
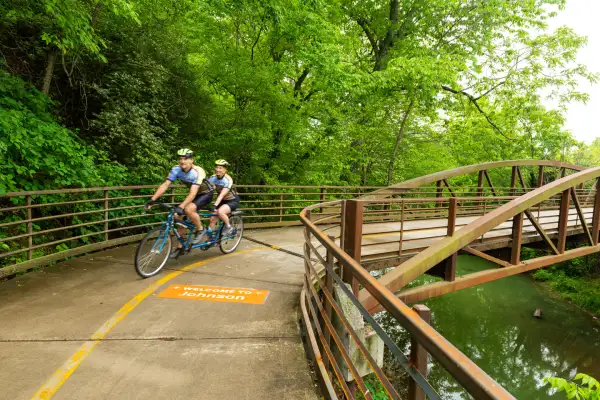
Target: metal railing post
401,226
105,215
418,356
517,237
281,207
353,215
450,270
29,228
329,286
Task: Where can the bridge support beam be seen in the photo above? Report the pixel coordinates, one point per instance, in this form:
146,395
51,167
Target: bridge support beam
517,238
353,224
418,356
563,219
447,268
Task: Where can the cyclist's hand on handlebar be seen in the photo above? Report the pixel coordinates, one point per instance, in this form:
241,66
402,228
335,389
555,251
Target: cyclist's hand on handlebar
148,205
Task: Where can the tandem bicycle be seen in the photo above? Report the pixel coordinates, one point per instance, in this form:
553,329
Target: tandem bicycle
154,249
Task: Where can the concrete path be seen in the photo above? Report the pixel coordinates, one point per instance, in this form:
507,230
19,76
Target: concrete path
90,328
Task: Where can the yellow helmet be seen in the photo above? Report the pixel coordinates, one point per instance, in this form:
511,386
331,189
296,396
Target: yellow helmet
185,153
222,162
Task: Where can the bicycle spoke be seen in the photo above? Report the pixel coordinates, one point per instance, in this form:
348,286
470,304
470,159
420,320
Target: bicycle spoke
146,259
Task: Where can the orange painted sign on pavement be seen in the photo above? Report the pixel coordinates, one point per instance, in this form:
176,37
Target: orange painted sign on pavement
215,293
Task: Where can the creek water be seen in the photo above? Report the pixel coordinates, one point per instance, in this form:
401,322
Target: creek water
493,325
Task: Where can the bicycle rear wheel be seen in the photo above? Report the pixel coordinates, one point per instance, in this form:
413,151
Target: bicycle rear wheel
153,252
231,243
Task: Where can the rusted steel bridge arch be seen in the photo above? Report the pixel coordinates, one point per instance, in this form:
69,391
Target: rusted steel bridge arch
441,178
516,211
419,229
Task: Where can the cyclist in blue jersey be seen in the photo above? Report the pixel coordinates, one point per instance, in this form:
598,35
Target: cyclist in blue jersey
227,198
201,190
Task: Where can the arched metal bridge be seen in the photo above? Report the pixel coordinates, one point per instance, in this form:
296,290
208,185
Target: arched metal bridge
360,250
417,227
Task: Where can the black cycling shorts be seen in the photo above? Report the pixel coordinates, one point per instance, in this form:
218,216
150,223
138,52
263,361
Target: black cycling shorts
233,203
203,199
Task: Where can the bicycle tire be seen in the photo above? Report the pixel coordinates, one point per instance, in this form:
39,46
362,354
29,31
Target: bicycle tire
237,222
140,264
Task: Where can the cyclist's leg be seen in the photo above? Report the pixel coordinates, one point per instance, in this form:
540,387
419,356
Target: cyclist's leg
213,222
181,230
223,212
192,209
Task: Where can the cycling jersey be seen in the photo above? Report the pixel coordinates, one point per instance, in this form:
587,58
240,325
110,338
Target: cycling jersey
195,176
223,183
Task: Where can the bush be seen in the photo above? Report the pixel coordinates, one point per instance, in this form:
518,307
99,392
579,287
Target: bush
588,389
543,275
37,153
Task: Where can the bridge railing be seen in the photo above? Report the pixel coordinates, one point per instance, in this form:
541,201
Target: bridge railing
558,218
394,230
40,227
332,275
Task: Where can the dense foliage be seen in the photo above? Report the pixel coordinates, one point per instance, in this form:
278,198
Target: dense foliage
320,91
587,389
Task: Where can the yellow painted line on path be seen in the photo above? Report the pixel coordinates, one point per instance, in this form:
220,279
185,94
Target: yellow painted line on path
64,372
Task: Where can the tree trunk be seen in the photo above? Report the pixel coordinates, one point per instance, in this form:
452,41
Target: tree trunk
398,140
95,13
49,71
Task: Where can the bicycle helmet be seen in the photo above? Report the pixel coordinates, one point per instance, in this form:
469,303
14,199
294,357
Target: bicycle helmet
222,162
185,153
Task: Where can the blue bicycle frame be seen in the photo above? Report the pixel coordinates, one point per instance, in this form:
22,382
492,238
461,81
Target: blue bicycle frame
186,243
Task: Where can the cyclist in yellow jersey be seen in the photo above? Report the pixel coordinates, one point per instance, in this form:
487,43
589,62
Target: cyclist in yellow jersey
227,198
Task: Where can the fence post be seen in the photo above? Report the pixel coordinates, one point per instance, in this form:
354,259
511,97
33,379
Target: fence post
450,270
172,195
418,356
329,287
281,207
105,215
401,226
343,224
353,215
322,199
29,228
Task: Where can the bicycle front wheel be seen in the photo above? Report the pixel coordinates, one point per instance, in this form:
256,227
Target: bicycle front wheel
229,244
153,252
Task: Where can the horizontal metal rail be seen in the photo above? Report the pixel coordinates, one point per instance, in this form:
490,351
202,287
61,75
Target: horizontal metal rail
38,224
467,373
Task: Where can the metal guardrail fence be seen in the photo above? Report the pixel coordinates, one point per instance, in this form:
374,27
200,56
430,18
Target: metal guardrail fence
40,227
339,255
327,264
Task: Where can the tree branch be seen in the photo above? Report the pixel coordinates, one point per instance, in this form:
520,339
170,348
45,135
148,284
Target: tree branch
366,28
255,43
398,140
473,100
300,81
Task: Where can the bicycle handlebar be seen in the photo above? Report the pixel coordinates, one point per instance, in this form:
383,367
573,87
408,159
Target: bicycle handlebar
165,206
